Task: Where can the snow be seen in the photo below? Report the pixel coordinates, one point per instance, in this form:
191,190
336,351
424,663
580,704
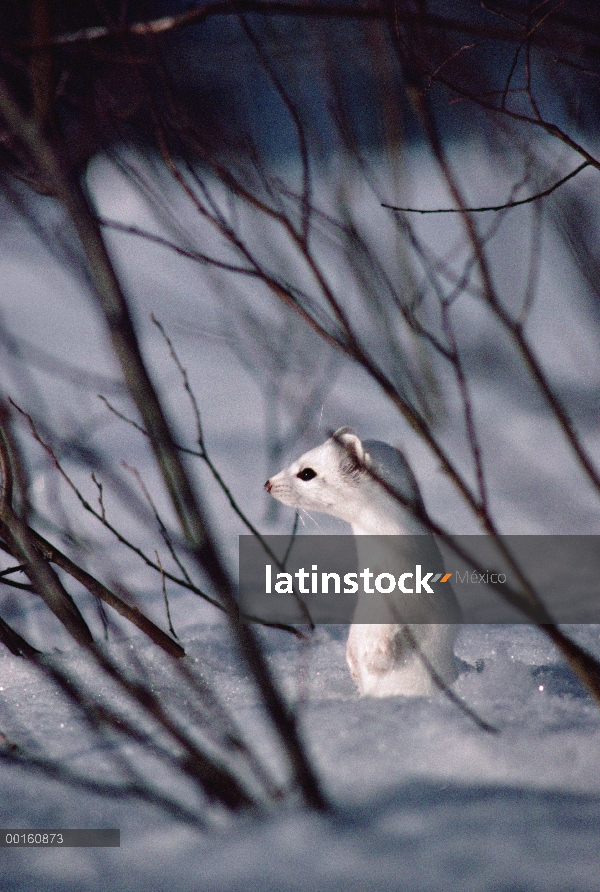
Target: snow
422,798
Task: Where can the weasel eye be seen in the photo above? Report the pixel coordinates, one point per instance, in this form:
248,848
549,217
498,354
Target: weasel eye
306,474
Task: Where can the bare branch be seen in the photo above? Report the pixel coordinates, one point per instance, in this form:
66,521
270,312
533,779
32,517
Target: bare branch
164,590
200,12
493,207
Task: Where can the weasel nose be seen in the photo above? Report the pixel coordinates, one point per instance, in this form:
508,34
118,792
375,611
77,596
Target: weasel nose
268,486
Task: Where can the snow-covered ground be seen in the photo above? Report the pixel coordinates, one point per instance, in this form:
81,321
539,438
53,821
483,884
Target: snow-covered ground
423,799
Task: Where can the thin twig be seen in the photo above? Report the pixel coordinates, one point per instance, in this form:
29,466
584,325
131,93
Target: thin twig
106,523
185,582
443,687
164,591
100,496
197,256
216,474
20,568
161,525
492,207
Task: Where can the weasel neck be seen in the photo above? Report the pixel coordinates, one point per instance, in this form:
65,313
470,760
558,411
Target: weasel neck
386,517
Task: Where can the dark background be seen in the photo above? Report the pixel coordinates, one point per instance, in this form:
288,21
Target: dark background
343,65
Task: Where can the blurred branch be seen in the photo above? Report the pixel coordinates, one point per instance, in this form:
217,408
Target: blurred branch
57,770
547,126
112,302
19,539
41,62
198,256
203,11
221,784
512,327
51,554
93,585
15,642
99,590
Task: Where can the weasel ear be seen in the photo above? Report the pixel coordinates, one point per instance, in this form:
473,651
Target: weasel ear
352,446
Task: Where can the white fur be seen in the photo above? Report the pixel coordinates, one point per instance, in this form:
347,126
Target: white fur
382,657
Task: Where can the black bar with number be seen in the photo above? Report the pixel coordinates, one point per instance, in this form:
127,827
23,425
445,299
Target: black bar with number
59,838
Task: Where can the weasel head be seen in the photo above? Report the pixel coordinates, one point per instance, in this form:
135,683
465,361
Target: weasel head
329,478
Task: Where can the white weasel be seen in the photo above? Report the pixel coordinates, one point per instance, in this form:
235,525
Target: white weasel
341,477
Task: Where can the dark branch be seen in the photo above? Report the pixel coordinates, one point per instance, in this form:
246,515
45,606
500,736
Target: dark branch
492,207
